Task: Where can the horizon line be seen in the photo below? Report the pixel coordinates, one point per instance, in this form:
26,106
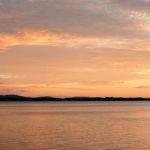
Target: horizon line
89,97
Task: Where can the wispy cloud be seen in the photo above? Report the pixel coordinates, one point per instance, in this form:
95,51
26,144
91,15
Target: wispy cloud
94,18
143,87
9,76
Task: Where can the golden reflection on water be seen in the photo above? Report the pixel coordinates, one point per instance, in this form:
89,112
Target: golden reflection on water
75,126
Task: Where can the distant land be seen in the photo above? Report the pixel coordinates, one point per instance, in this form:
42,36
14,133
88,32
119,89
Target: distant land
18,98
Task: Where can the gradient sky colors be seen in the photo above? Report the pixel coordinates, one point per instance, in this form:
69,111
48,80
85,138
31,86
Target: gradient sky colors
75,47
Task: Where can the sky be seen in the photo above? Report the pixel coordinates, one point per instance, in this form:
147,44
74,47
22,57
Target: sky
68,48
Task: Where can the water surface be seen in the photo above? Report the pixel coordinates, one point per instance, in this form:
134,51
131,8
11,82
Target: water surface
75,126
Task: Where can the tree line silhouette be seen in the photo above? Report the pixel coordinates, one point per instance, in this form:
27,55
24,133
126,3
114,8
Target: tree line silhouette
47,98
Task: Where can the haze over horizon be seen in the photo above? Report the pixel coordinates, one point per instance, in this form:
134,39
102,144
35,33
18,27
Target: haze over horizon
66,48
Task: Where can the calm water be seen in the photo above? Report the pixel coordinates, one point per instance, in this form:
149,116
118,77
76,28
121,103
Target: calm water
75,126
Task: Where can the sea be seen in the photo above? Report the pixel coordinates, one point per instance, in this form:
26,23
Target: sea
75,125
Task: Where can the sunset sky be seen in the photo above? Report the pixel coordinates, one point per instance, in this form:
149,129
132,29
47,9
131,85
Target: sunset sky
75,47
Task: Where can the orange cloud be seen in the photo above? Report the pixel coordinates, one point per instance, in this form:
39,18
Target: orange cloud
44,37
28,38
56,39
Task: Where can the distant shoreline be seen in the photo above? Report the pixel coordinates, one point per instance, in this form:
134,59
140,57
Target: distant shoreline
17,98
